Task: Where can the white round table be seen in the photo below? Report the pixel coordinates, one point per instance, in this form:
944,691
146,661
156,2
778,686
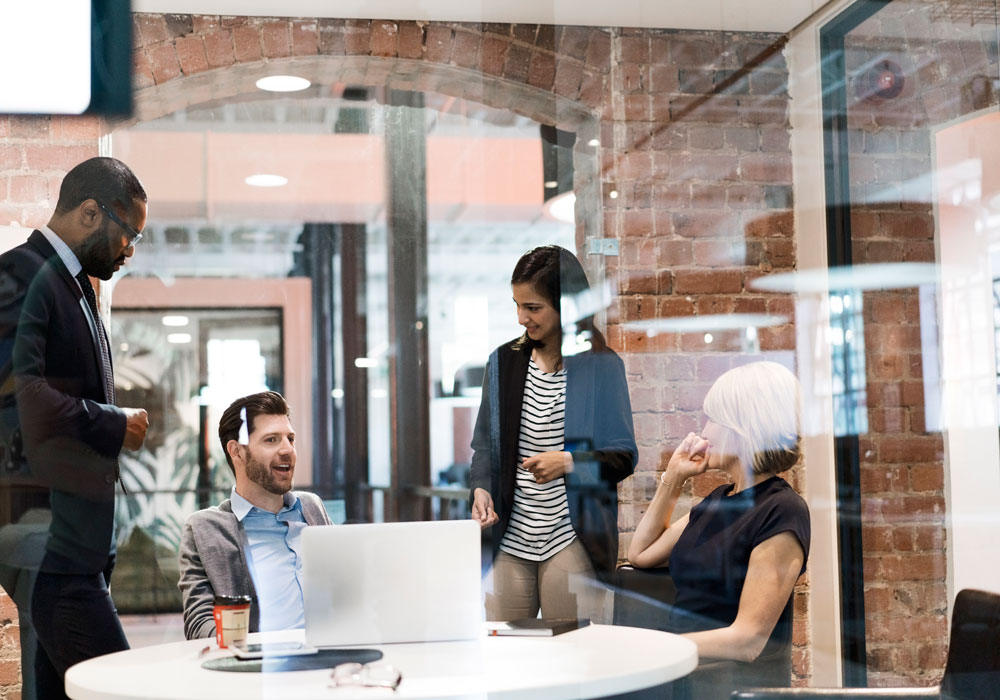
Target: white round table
591,662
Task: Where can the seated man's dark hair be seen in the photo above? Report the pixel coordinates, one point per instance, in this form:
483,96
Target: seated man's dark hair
266,403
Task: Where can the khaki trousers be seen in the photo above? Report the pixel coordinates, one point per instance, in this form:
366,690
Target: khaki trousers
563,586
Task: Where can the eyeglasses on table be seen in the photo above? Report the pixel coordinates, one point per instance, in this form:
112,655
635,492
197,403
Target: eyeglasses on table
371,675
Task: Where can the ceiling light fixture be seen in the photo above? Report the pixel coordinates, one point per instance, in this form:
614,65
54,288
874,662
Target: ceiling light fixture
179,338
266,180
283,83
175,321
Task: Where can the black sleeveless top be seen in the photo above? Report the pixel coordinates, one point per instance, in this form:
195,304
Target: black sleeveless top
710,560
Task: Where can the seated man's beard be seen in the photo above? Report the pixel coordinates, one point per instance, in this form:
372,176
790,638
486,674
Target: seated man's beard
261,474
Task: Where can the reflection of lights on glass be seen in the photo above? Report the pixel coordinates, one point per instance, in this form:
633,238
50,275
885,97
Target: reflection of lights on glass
847,301
379,393
848,335
973,190
562,207
174,321
594,142
337,393
123,347
419,325
708,337
836,336
365,362
836,305
178,338
551,184
751,333
613,194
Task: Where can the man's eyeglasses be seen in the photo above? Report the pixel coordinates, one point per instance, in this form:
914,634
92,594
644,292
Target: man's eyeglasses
133,235
372,675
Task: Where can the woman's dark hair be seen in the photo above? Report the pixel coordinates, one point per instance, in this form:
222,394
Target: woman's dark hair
555,273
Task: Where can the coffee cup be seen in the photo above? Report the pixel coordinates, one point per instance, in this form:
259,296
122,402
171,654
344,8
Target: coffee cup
232,619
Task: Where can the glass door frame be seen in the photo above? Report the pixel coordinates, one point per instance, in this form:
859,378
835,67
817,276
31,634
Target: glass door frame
847,459
293,296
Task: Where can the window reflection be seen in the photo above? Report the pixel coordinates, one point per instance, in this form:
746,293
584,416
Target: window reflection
847,350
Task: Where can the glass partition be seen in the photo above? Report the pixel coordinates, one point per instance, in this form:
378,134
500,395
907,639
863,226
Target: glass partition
909,83
819,198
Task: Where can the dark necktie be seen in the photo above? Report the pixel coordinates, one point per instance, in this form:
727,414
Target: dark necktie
88,294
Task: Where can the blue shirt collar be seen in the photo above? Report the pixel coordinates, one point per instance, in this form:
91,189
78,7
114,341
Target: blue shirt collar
242,506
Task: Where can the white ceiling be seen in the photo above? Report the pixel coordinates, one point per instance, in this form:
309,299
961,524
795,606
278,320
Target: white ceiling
732,15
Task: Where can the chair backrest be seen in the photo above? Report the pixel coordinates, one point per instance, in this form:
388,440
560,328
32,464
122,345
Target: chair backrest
973,668
643,597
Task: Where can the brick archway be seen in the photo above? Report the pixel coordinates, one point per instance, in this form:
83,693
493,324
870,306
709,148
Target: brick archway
559,76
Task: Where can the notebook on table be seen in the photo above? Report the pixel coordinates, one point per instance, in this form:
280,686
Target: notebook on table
392,582
536,627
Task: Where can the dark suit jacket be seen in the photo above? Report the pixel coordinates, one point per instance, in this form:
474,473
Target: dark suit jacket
71,434
598,411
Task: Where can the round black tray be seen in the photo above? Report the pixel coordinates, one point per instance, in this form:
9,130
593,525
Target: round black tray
324,658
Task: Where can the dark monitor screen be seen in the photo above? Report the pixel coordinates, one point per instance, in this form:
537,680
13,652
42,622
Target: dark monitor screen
66,57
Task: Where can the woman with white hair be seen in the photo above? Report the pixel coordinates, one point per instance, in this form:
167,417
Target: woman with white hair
736,556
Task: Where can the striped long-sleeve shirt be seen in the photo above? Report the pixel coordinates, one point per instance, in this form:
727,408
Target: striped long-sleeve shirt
539,521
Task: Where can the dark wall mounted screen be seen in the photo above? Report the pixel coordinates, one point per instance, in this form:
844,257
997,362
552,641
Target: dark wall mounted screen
66,57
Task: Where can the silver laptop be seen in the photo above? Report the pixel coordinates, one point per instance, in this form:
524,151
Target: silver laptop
392,582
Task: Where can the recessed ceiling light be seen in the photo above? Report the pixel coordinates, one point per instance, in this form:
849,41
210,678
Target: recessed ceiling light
551,184
594,142
175,321
283,83
179,338
266,180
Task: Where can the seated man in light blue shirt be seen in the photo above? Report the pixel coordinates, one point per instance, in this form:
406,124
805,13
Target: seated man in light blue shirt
250,544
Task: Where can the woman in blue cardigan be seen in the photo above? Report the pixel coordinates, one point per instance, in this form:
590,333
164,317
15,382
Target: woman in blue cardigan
552,440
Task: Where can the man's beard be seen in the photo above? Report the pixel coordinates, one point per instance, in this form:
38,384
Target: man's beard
261,474
94,254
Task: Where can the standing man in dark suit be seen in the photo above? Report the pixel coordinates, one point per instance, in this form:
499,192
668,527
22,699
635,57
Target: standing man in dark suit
69,432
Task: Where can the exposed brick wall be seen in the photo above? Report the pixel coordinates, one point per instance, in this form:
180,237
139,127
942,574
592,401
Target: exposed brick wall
701,167
35,154
693,174
902,463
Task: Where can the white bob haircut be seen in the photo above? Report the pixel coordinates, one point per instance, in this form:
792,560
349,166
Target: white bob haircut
761,404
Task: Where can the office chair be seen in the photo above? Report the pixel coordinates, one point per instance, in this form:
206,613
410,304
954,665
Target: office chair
971,673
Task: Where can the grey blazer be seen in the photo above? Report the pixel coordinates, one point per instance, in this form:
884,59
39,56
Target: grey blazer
213,560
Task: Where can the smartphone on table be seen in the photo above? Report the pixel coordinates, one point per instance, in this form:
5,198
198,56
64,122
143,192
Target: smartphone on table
259,651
